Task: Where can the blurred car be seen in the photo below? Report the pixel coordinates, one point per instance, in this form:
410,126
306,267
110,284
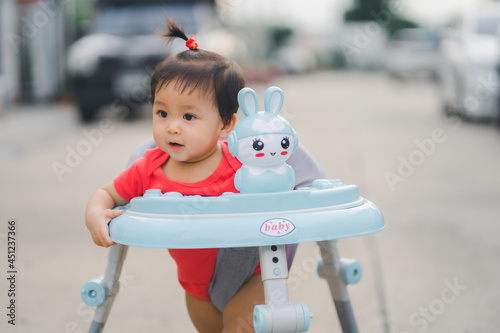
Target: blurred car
112,63
469,57
412,53
294,59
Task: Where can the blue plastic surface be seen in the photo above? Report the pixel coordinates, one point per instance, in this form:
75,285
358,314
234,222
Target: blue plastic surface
352,271
307,317
327,210
259,319
93,293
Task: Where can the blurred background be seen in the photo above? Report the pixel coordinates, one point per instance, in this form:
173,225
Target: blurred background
400,97
98,54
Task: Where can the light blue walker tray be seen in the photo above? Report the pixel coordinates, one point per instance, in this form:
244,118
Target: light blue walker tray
322,213
326,210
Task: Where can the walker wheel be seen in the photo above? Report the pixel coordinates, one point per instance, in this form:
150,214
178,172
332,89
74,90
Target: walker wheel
93,293
260,319
352,270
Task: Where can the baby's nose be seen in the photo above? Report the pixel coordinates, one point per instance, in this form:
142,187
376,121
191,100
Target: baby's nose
174,128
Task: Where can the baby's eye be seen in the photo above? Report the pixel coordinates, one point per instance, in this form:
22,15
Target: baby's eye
258,145
189,117
285,143
163,114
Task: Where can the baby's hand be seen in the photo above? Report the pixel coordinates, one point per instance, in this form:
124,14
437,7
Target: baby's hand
98,226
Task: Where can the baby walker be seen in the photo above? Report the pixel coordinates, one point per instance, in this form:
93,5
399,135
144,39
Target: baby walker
265,214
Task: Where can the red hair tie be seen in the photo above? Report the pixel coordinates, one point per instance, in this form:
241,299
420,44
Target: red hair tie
191,43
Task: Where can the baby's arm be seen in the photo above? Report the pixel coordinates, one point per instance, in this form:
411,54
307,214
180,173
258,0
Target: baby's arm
99,213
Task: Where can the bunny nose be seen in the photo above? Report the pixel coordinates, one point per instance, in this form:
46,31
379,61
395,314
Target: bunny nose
272,154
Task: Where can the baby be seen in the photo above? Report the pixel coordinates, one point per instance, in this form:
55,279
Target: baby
194,96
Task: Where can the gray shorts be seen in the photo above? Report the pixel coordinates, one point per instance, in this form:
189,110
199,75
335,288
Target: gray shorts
234,266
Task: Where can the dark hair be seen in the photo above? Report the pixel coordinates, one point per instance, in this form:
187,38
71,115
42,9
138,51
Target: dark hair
200,69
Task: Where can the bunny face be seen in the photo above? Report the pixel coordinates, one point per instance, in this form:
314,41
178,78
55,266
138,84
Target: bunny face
266,150
260,138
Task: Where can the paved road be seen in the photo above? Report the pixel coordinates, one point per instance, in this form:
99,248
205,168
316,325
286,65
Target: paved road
434,269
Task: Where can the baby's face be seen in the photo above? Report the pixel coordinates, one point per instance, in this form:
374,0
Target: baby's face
186,125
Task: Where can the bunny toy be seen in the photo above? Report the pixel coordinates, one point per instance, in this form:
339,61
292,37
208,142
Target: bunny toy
262,142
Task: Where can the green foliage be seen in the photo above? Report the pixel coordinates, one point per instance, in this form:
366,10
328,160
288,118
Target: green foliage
398,23
279,35
364,10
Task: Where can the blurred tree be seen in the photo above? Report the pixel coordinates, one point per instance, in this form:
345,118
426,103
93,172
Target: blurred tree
380,11
363,8
279,35
84,11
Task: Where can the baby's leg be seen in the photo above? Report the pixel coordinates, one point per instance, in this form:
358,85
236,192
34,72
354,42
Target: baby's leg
204,315
238,313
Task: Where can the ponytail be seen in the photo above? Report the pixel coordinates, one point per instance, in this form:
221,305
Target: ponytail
174,31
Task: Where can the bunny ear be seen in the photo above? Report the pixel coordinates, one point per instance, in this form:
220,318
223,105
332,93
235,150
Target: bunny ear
273,100
247,99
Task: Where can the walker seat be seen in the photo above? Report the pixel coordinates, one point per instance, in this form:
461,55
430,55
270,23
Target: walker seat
323,213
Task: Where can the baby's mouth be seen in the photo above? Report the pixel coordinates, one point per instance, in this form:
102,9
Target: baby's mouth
175,144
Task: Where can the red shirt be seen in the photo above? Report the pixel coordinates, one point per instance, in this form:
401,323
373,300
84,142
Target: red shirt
195,267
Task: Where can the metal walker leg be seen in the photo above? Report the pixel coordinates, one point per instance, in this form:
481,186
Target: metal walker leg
101,292
339,273
278,315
